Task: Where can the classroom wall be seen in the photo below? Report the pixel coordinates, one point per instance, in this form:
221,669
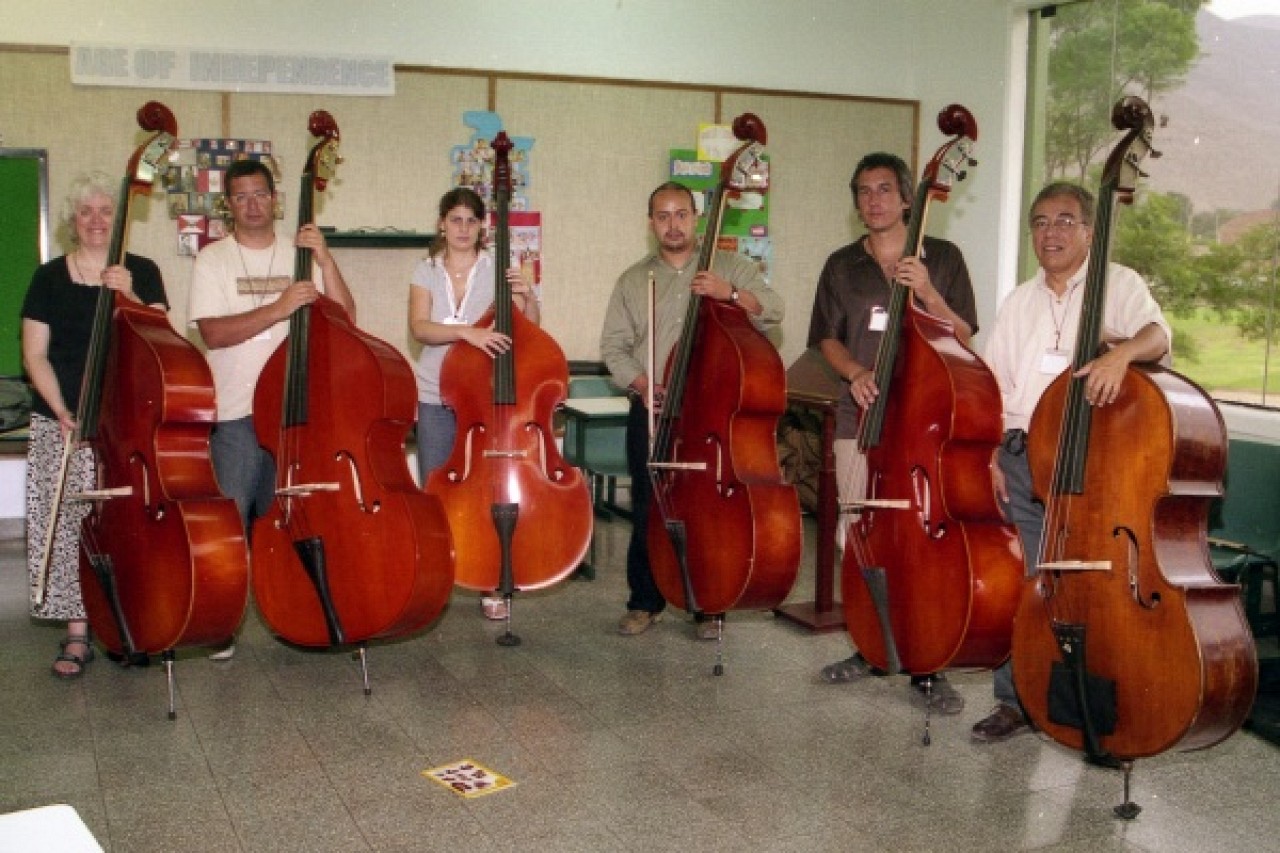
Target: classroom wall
932,51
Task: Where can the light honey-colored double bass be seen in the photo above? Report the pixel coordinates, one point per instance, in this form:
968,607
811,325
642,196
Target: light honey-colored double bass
1125,643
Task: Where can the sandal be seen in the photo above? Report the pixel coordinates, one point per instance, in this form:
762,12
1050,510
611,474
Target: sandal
80,661
845,671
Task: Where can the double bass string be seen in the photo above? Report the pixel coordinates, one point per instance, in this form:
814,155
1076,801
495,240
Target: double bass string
1071,451
673,399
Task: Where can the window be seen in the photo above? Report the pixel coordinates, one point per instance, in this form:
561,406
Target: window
1204,229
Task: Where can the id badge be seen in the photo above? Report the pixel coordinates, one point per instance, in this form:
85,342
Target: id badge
454,321
879,319
1054,361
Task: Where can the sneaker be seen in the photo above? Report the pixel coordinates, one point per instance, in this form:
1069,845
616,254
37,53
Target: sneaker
494,607
945,699
636,622
706,629
845,671
1004,722
225,654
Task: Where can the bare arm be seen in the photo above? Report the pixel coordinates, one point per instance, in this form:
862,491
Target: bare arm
429,332
35,358
911,272
861,379
335,286
220,332
1106,372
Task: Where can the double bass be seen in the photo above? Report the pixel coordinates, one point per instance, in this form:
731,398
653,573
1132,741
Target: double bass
163,563
724,528
521,515
1126,644
931,571
351,549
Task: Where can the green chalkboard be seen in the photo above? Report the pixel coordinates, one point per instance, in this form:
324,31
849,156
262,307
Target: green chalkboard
24,241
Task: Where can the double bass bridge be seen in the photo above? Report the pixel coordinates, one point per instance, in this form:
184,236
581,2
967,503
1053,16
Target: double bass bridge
1074,566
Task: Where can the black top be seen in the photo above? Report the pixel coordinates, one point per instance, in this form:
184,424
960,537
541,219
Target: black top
68,309
852,285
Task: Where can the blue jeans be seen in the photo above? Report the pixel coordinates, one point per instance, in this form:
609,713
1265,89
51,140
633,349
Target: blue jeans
1027,514
246,472
437,428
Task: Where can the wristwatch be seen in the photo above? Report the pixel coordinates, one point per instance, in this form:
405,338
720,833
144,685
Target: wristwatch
733,293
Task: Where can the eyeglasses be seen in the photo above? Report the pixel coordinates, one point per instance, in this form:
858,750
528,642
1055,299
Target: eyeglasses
1061,223
243,198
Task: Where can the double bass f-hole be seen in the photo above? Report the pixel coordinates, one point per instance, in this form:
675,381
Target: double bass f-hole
725,489
157,511
343,455
1135,581
922,490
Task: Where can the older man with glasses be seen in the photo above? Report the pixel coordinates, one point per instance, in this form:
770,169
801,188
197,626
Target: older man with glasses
1031,344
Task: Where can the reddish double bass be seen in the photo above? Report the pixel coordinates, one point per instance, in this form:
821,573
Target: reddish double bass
351,550
724,529
520,515
1125,617
162,555
931,570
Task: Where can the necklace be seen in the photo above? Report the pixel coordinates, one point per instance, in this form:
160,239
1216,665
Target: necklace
458,300
1065,302
252,280
463,273
80,275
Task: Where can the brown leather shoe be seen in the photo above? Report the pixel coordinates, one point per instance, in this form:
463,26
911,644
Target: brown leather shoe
1004,722
636,622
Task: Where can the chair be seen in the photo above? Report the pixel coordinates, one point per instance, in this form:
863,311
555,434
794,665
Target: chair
604,457
1244,531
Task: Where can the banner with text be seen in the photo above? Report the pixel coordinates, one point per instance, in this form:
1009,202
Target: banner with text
231,70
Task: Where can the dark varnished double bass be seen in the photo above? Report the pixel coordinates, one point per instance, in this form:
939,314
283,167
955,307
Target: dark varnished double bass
931,570
1125,617
351,550
162,555
724,529
520,515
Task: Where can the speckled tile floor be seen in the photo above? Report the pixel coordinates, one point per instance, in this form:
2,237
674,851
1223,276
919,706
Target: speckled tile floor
615,743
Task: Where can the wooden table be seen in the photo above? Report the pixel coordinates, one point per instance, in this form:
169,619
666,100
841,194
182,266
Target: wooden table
812,386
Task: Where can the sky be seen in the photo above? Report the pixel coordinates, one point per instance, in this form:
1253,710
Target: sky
1240,8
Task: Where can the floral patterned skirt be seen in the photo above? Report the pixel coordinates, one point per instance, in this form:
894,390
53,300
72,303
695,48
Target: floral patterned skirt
44,460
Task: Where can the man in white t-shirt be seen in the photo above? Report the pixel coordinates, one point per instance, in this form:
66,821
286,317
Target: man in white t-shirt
242,295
